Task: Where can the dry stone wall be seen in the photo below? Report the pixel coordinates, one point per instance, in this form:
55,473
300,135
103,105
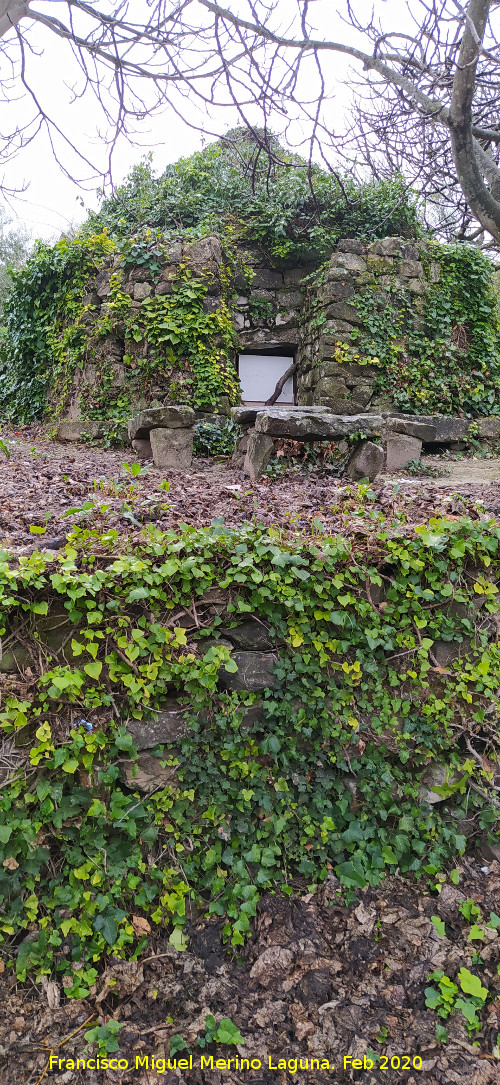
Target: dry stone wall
325,377
310,313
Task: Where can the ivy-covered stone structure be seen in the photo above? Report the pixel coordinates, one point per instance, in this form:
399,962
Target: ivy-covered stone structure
362,332
204,286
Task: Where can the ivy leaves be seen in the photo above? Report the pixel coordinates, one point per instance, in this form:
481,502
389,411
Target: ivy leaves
320,773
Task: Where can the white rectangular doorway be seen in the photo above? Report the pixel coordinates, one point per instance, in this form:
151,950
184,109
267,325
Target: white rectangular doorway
259,375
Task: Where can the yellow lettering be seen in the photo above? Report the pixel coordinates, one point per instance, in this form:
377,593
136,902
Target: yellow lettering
347,1060
142,1060
207,1062
221,1064
255,1064
357,1064
292,1065
81,1064
271,1067
161,1066
90,1064
70,1064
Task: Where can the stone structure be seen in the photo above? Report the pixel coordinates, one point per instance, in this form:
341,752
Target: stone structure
290,312
386,441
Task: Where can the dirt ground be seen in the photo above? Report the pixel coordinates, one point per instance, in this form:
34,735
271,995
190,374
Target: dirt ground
318,980
321,978
57,486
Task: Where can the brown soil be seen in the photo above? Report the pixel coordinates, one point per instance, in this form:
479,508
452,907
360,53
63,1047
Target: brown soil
317,980
43,480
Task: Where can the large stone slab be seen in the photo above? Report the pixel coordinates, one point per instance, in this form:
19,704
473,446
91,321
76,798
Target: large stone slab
315,424
424,431
167,417
172,448
448,429
74,429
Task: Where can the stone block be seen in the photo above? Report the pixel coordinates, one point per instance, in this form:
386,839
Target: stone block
15,659
73,429
424,431
389,246
341,310
338,290
169,417
258,454
350,244
378,263
254,674
244,416
172,448
146,773
250,635
205,254
169,725
489,427
400,450
367,461
448,429
267,279
417,286
411,269
143,448
164,288
142,291
102,284
348,260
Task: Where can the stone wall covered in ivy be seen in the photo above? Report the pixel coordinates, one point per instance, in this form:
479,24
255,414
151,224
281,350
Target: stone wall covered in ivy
406,325
98,327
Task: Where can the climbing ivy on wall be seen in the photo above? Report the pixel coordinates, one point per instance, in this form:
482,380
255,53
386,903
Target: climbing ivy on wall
44,322
438,353
326,777
290,211
50,334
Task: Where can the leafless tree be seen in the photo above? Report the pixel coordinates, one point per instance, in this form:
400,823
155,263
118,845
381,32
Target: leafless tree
426,93
426,97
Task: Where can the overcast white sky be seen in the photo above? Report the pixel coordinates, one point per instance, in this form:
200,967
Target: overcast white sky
52,202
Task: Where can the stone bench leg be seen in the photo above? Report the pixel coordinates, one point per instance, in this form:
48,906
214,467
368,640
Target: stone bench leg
172,448
400,449
258,454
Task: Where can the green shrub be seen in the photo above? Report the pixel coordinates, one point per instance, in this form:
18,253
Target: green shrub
216,438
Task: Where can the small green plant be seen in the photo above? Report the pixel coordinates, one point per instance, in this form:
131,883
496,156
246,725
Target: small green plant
105,1036
224,1033
421,469
446,997
216,438
134,469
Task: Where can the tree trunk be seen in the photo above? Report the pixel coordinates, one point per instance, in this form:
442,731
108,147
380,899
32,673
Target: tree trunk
480,199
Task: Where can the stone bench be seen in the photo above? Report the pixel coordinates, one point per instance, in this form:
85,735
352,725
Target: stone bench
165,435
389,440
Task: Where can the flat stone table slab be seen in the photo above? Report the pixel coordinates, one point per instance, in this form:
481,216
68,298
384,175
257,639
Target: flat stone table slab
316,424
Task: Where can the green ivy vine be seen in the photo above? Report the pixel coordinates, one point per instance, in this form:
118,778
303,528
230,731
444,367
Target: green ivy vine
320,772
438,353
